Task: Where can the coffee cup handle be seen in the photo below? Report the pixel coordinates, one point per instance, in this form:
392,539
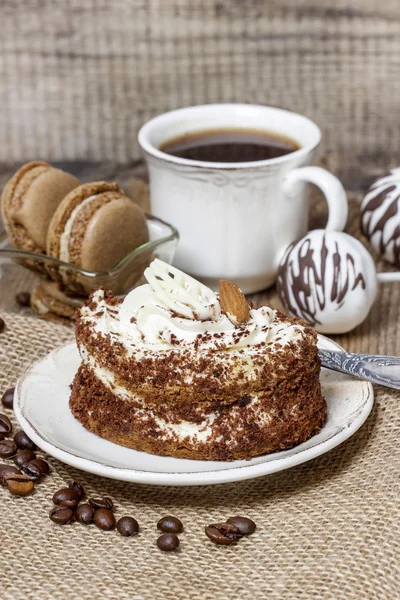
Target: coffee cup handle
330,186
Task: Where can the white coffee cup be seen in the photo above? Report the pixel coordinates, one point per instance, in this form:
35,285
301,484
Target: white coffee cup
236,219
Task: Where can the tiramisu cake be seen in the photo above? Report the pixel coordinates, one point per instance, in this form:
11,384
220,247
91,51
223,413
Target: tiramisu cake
175,369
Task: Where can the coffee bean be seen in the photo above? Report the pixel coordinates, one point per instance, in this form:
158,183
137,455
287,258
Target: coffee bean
23,299
7,448
66,497
5,424
2,325
24,456
245,525
128,526
101,503
19,484
168,541
23,441
170,525
31,470
223,533
6,470
61,515
74,485
8,398
84,514
2,436
104,519
41,464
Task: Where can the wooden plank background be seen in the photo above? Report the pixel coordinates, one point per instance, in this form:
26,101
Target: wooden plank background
79,77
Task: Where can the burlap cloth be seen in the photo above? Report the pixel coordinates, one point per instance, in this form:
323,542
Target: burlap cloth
327,529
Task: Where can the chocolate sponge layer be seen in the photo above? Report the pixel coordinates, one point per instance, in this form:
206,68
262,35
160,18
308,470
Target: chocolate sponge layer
297,413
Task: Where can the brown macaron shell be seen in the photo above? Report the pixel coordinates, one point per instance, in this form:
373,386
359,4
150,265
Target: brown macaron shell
42,304
29,201
85,219
115,230
103,231
67,206
50,294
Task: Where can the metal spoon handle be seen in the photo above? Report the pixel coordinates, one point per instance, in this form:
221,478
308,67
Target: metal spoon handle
382,370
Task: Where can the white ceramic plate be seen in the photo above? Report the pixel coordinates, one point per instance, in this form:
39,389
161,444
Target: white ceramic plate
41,407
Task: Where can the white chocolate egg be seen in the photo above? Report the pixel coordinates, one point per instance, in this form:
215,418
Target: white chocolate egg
380,216
328,279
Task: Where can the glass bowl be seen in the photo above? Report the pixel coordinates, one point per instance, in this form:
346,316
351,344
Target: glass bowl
123,277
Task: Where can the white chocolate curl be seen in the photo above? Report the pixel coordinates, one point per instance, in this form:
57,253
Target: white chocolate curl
182,294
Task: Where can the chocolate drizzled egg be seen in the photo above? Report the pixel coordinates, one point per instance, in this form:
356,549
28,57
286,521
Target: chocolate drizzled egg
328,279
380,216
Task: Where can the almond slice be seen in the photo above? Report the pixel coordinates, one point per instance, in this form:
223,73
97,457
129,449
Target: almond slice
233,303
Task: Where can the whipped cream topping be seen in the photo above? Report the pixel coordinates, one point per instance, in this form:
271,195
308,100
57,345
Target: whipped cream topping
174,310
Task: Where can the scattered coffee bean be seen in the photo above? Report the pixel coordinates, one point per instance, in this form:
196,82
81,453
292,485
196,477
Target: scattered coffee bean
101,503
2,436
7,448
31,470
5,424
23,441
104,519
2,325
84,514
245,525
61,515
74,485
223,533
41,464
168,542
23,299
24,456
8,398
19,484
170,525
66,497
128,526
6,470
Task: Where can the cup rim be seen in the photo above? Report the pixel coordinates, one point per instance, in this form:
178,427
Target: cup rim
152,150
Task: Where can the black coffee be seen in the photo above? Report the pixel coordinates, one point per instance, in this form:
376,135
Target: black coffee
229,145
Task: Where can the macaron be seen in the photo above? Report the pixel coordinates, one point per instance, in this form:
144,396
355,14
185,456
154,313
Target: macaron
95,226
29,201
49,301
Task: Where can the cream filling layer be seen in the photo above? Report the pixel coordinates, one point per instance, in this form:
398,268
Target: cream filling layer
197,432
65,237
